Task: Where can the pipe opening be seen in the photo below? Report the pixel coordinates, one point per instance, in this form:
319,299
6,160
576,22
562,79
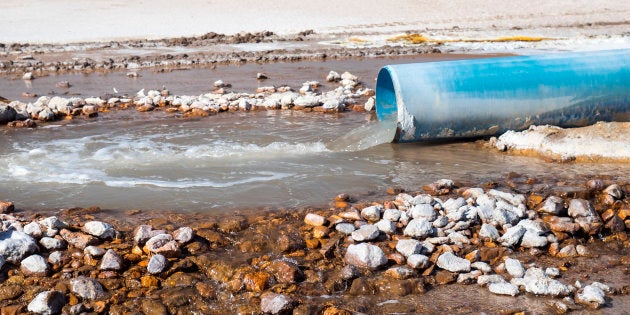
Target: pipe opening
386,104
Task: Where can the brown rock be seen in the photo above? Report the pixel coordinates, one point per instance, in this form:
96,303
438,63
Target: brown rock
567,251
78,239
206,290
491,254
233,224
213,237
361,286
561,224
290,241
314,219
10,292
153,307
12,309
320,232
257,281
28,123
149,281
615,225
6,206
445,277
286,271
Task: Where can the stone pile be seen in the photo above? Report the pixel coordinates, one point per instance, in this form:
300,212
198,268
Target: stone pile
468,237
345,97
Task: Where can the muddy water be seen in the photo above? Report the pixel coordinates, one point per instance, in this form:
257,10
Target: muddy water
273,159
195,81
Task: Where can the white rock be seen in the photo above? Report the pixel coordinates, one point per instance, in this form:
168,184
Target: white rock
591,295
345,228
614,191
99,229
94,251
366,232
418,228
488,231
537,282
306,101
602,286
580,208
15,245
87,288
469,277
183,234
52,243
56,257
552,272
157,264
314,219
370,104
514,268
365,256
512,236
34,264
46,114
486,279
418,261
503,288
448,261
481,266
386,226
274,303
111,261
333,76
348,76
553,205
28,76
372,213
33,229
47,303
458,238
423,211
408,247
391,215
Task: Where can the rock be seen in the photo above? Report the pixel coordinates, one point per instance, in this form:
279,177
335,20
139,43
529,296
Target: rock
87,288
92,111
561,224
183,234
99,229
28,76
489,232
614,191
408,247
365,256
582,250
458,238
481,266
33,229
157,264
400,272
552,272
366,232
445,277
276,303
391,215
512,236
47,303
345,228
591,295
94,251
163,244
487,279
306,101
261,76
372,213
257,281
567,251
423,211
386,226
286,271
514,268
314,219
53,223
469,277
52,243
537,282
418,228
553,205
370,104
46,114
34,265
77,239
142,233
503,288
333,77
57,258
7,114
111,261
418,261
448,261
15,245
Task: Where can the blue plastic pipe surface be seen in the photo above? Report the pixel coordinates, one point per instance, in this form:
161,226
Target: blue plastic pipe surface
450,100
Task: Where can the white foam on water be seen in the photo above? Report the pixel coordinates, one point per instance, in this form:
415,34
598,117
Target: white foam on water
145,160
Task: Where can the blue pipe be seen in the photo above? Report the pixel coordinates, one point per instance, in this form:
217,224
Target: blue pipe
451,100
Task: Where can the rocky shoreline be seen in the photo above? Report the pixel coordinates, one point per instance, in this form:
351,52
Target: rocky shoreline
514,238
351,94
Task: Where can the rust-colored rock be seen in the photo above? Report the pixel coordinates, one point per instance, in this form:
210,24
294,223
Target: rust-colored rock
78,239
286,271
257,281
6,206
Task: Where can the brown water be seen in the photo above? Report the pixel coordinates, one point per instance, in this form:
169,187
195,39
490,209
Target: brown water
275,159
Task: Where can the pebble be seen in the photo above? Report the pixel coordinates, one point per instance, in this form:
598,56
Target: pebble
512,236
481,266
157,264
333,76
553,205
276,303
386,226
53,223
99,229
183,234
418,261
111,261
372,213
591,295
423,211
33,229
537,282
28,76
392,215
56,257
418,228
408,247
366,232
487,279
34,265
503,288
47,303
448,261
94,251
345,228
400,272
514,268
314,219
52,243
365,256
163,244
614,191
87,288
15,245
488,231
